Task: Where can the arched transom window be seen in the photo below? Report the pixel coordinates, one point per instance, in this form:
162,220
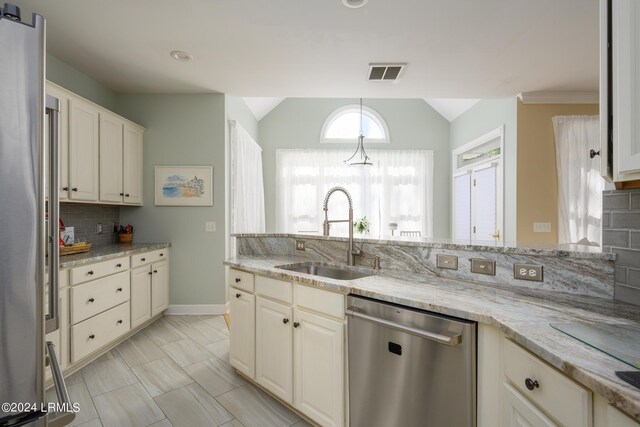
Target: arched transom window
343,126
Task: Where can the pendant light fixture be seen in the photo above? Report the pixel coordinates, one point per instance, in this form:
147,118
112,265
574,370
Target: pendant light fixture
360,157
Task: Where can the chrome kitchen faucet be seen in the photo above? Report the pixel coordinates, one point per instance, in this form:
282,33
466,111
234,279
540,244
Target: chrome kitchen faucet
351,252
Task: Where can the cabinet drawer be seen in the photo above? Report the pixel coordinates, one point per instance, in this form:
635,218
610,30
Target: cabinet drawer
99,269
149,257
241,280
567,402
321,301
99,295
98,331
276,289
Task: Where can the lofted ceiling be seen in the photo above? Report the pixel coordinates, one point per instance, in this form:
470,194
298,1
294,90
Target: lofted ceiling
320,48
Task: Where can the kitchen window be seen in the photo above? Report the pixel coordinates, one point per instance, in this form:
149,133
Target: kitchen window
398,188
343,126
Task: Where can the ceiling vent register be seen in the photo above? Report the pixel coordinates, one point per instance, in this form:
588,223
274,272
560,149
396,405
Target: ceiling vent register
385,72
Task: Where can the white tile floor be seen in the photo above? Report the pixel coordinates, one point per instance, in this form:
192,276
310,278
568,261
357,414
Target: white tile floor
175,372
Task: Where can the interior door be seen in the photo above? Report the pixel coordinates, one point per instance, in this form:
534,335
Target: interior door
462,207
83,150
485,222
111,134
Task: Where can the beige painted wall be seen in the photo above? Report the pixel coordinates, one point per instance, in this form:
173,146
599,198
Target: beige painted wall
537,193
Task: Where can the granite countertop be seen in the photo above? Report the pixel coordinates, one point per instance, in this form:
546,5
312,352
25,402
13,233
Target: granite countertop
523,315
519,248
105,252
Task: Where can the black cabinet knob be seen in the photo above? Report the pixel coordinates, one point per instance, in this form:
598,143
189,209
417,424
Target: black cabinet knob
118,265
90,272
91,336
150,273
593,153
65,188
91,300
155,271
285,321
143,259
238,295
119,290
531,384
296,324
161,254
122,194
74,189
237,280
126,195
119,322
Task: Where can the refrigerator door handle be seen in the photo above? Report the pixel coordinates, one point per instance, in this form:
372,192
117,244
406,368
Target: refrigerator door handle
52,321
59,419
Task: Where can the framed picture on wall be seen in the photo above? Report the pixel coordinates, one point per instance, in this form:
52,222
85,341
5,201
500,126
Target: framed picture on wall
184,185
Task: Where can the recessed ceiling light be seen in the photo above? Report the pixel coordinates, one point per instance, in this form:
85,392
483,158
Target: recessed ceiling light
354,4
179,55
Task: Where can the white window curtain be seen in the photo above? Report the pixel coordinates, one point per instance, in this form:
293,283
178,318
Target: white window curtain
580,185
247,187
398,188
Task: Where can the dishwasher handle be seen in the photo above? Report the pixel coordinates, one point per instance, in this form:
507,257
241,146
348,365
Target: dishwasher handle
445,337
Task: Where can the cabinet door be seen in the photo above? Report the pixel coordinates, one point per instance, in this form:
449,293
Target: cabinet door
63,142
140,295
159,288
519,412
132,165
318,368
111,133
83,150
274,348
242,348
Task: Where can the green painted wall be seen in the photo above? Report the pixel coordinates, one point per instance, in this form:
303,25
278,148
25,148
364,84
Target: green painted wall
238,110
412,123
183,130
77,82
483,117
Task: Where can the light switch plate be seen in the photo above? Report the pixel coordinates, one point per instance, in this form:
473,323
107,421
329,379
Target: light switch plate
300,245
542,227
530,272
483,266
210,226
449,262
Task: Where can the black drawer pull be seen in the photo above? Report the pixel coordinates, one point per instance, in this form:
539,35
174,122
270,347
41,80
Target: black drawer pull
91,300
65,188
237,280
143,259
296,324
126,195
593,153
285,321
238,295
155,271
118,265
150,273
74,189
119,322
161,254
122,194
90,272
119,290
91,336
531,384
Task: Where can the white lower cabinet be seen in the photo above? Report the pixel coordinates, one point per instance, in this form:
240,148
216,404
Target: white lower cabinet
159,287
140,295
519,412
298,336
274,348
242,346
319,367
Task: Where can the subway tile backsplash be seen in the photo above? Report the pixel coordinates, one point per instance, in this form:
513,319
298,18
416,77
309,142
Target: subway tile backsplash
85,218
621,234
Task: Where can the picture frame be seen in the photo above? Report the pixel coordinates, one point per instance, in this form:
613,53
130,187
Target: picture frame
183,185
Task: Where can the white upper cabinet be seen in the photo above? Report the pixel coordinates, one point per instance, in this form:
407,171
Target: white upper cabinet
83,150
111,135
63,140
620,89
132,160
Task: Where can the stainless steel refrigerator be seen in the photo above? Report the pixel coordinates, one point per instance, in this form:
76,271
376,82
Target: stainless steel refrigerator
29,242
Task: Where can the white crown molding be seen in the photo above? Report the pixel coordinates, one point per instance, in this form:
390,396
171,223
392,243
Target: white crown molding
559,97
197,309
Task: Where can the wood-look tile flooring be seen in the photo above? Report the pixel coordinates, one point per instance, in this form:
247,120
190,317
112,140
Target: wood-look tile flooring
175,372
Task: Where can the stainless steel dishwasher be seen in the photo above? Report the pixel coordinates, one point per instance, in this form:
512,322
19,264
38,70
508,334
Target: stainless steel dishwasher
409,367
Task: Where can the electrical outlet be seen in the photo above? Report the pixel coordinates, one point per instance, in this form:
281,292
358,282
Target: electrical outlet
483,266
449,262
300,246
542,227
530,272
100,228
210,226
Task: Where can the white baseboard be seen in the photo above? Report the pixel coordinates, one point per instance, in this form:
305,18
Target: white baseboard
195,309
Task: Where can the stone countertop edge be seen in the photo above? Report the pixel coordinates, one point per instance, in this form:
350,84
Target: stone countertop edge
524,319
107,252
559,251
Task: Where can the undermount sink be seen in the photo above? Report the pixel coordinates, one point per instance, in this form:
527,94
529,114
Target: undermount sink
323,270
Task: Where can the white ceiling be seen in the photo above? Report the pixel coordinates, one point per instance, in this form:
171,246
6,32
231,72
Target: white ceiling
302,48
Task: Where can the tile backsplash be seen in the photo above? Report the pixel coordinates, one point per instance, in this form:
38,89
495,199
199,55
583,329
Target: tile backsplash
621,234
85,218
